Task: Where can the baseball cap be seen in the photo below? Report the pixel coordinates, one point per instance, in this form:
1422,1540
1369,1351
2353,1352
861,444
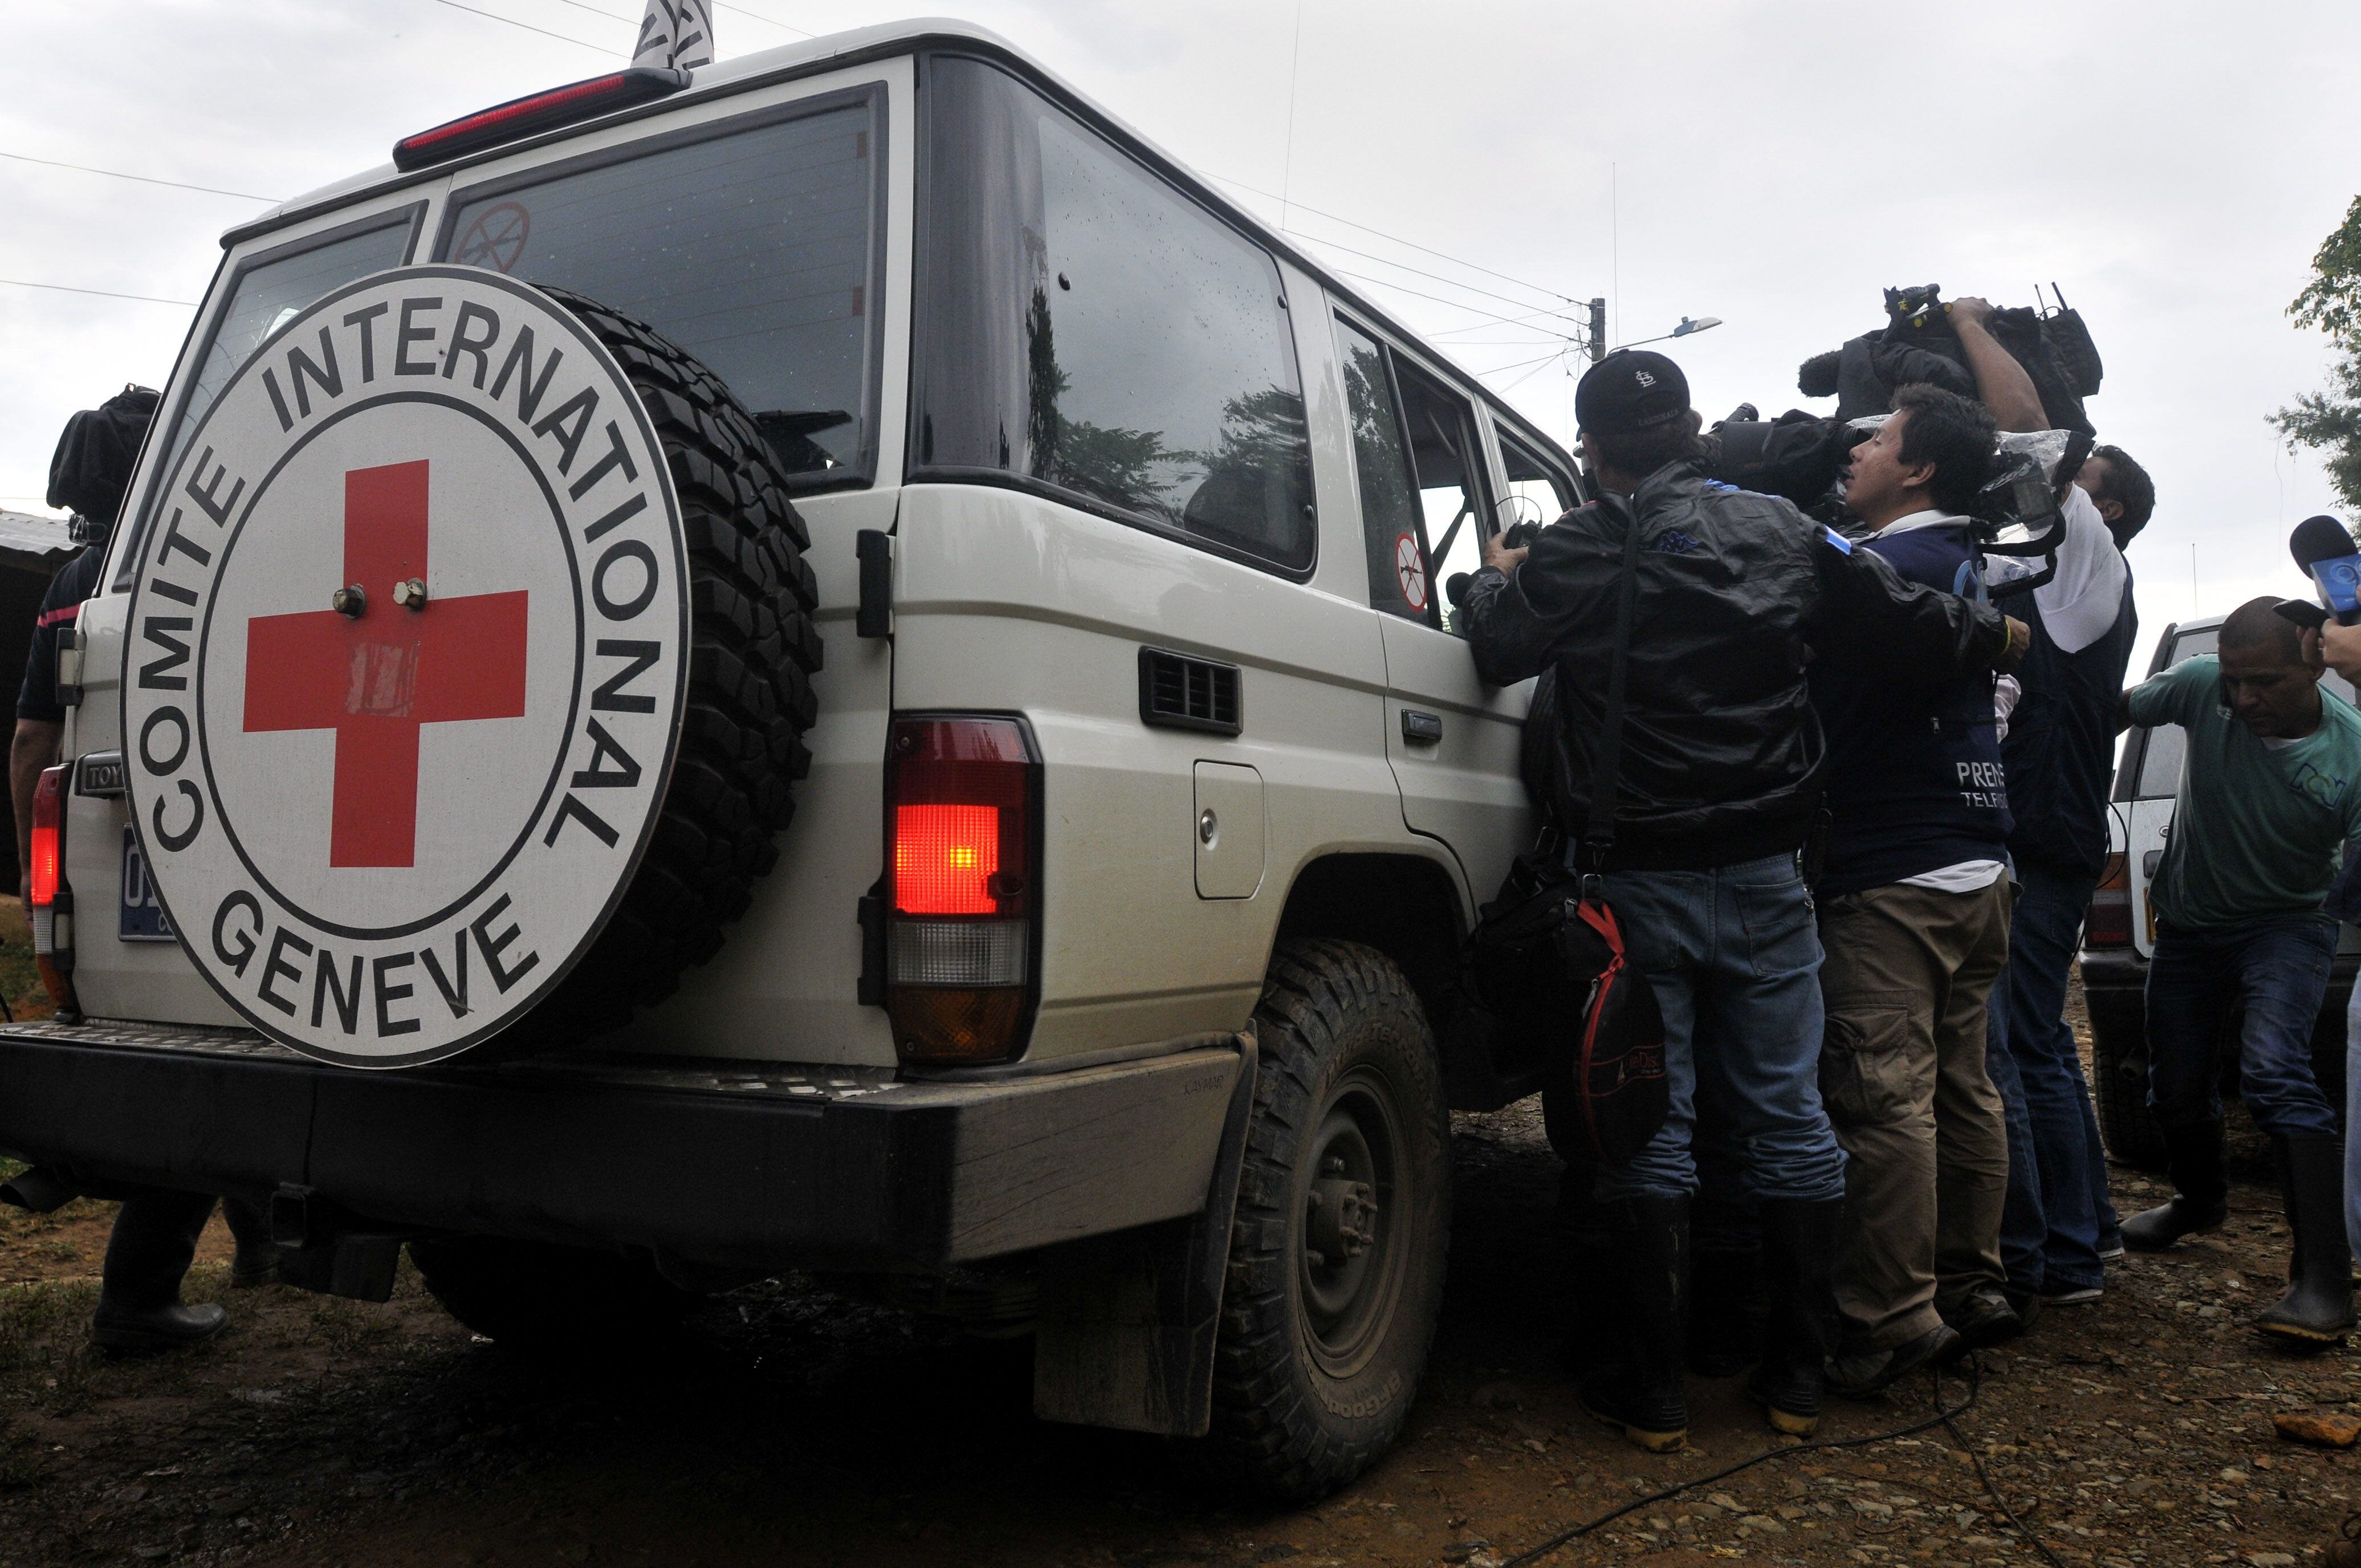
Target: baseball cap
1630,389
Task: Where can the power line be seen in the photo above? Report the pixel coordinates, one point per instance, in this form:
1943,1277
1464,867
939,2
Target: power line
610,16
1490,317
760,17
1461,262
103,294
528,27
1421,272
143,178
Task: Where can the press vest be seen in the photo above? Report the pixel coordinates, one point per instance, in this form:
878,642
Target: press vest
1915,780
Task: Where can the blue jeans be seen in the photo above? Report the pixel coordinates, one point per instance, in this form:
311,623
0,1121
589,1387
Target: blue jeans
1734,959
2057,1214
2279,969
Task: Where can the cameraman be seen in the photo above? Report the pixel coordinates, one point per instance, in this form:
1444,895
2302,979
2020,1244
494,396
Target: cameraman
1720,782
1915,914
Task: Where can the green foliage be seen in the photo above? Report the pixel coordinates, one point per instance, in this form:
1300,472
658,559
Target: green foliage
2332,301
2330,422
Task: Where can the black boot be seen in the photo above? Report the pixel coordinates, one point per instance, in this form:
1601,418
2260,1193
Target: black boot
1725,1336
1647,1267
2318,1306
1799,1251
2200,1192
256,1261
139,1292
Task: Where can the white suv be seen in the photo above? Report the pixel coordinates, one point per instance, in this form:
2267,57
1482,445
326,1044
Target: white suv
1141,802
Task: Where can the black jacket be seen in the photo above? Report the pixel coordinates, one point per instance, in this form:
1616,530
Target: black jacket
1722,754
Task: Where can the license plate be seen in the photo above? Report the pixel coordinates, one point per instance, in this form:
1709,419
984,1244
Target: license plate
142,918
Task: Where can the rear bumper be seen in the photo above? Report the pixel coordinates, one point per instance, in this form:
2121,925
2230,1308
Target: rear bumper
718,1165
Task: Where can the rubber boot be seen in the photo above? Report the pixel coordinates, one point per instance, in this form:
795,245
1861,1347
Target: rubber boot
1641,1391
256,1261
1726,1289
1799,1251
2200,1192
2318,1306
139,1290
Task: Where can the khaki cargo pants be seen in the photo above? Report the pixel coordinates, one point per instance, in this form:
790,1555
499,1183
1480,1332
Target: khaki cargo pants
1903,1075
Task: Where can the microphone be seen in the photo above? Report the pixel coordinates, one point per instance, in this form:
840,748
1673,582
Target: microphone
2322,547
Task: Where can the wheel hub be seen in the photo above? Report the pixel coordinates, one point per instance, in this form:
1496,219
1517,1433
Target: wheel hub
1340,1217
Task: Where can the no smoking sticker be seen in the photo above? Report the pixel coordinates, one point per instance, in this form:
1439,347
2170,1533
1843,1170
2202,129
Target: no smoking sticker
496,239
1410,568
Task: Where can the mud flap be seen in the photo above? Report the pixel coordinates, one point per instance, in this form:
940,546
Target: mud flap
1128,1321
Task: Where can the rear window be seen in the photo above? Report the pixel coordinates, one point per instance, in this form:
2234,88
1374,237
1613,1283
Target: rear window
1085,327
755,249
264,291
2167,747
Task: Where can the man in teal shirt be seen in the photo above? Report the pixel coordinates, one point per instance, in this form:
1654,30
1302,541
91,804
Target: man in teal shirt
2271,790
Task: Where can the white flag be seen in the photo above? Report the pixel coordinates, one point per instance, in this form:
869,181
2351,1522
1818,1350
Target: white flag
677,33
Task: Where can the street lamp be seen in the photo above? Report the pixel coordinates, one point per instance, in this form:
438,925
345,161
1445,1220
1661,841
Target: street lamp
1687,328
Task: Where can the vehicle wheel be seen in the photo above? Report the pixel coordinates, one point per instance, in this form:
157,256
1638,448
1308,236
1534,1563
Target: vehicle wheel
754,647
1344,1222
2119,1086
535,1296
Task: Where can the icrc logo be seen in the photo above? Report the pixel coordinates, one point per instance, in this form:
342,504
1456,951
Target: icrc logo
405,666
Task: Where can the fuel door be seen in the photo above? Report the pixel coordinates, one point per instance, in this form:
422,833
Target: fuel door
1229,830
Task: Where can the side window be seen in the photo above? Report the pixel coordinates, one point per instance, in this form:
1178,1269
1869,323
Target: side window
755,250
1086,326
1450,469
1540,491
1390,521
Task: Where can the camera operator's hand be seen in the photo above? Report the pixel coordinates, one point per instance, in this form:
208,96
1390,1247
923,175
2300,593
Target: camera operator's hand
1502,559
1973,310
2020,643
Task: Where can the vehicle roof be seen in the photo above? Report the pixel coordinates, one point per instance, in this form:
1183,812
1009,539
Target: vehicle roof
861,44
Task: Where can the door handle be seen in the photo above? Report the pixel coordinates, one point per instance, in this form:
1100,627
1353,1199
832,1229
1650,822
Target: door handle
1421,728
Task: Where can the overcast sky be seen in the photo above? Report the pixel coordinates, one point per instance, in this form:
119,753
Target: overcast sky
2171,166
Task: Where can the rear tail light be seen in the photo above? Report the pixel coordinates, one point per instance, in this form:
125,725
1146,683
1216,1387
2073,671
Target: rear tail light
963,848
2107,923
522,117
52,911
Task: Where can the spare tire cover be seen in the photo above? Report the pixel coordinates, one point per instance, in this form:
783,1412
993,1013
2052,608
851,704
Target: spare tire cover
385,825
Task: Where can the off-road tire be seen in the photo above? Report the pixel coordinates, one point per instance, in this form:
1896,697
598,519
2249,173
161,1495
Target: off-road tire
544,1299
1305,1396
754,647
2119,1089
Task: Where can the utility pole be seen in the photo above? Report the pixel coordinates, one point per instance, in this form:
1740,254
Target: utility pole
1598,329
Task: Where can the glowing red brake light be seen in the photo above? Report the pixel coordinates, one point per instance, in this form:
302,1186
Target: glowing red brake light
522,117
945,858
48,827
964,798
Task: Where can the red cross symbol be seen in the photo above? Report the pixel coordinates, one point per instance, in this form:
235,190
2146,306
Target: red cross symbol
374,678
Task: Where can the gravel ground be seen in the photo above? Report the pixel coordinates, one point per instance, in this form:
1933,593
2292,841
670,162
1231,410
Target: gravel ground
789,1425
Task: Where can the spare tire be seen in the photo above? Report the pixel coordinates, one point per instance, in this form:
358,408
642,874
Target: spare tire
756,646
472,714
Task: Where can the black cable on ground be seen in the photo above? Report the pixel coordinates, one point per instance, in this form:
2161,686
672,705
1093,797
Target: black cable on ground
1944,1416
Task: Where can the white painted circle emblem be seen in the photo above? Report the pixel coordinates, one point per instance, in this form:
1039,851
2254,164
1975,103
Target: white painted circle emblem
405,666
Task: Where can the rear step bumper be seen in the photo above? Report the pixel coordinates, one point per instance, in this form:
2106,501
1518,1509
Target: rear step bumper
725,1165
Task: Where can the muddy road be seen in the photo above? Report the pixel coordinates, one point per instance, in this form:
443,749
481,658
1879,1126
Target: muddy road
793,1426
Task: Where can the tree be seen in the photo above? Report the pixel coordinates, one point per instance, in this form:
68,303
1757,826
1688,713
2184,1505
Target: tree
2330,422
